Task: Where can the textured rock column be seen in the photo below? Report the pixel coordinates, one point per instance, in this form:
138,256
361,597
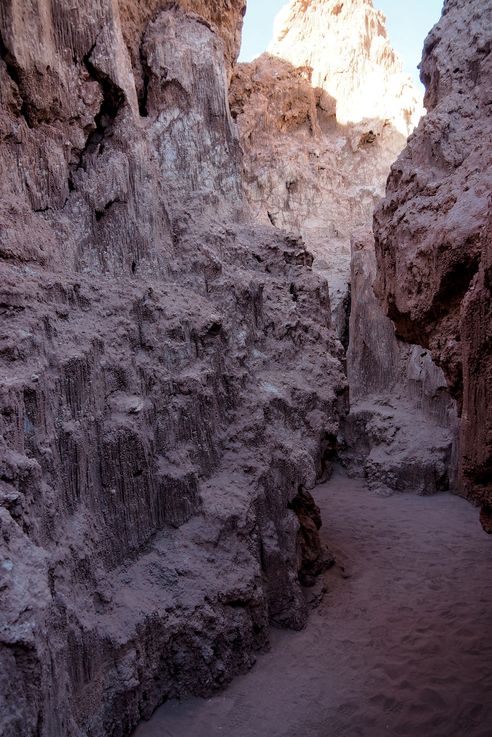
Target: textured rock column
433,231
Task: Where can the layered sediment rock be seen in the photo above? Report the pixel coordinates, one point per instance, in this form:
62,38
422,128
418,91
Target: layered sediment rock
320,128
169,374
433,231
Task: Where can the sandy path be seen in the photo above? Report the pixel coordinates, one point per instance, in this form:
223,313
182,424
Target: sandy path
402,647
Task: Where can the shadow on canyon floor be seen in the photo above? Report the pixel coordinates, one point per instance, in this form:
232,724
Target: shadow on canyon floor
399,645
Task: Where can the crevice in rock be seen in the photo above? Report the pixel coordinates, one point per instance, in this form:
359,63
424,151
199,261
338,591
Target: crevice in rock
146,73
329,455
313,555
15,74
113,97
101,213
456,281
345,323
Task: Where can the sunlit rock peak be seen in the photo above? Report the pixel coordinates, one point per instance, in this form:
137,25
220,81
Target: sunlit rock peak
347,46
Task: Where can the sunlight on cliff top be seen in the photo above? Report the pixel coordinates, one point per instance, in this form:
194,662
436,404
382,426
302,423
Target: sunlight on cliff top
347,47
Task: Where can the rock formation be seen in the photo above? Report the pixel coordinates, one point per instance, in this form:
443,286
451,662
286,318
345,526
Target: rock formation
172,379
225,16
433,231
311,171
401,429
169,374
305,171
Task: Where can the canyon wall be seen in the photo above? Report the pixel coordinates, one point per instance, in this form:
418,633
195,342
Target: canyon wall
402,425
433,231
347,47
170,378
322,117
306,173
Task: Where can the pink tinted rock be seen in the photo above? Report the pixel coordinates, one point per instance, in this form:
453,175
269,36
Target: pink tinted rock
433,230
162,394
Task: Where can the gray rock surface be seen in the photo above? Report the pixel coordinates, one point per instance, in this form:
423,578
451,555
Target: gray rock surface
168,374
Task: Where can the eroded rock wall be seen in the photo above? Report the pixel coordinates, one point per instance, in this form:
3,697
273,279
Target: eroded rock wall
433,230
169,374
402,425
305,172
225,17
309,170
322,116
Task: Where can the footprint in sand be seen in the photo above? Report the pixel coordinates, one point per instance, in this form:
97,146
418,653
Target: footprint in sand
348,708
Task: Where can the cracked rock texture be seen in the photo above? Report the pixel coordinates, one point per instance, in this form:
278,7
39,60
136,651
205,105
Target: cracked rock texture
434,231
309,171
169,374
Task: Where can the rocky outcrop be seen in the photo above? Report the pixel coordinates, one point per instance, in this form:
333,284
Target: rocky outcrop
304,171
433,231
309,170
225,17
402,425
169,374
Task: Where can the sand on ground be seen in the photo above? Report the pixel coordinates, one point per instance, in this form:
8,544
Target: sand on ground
403,646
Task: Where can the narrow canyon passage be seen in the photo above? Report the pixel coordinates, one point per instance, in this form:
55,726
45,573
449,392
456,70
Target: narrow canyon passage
218,280
401,646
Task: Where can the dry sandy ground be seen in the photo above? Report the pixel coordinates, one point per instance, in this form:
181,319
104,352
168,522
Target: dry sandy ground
401,647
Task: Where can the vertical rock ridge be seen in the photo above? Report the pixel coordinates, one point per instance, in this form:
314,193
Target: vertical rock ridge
433,231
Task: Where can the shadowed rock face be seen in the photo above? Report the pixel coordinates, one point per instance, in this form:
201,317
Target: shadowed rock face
308,173
163,393
433,230
314,557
